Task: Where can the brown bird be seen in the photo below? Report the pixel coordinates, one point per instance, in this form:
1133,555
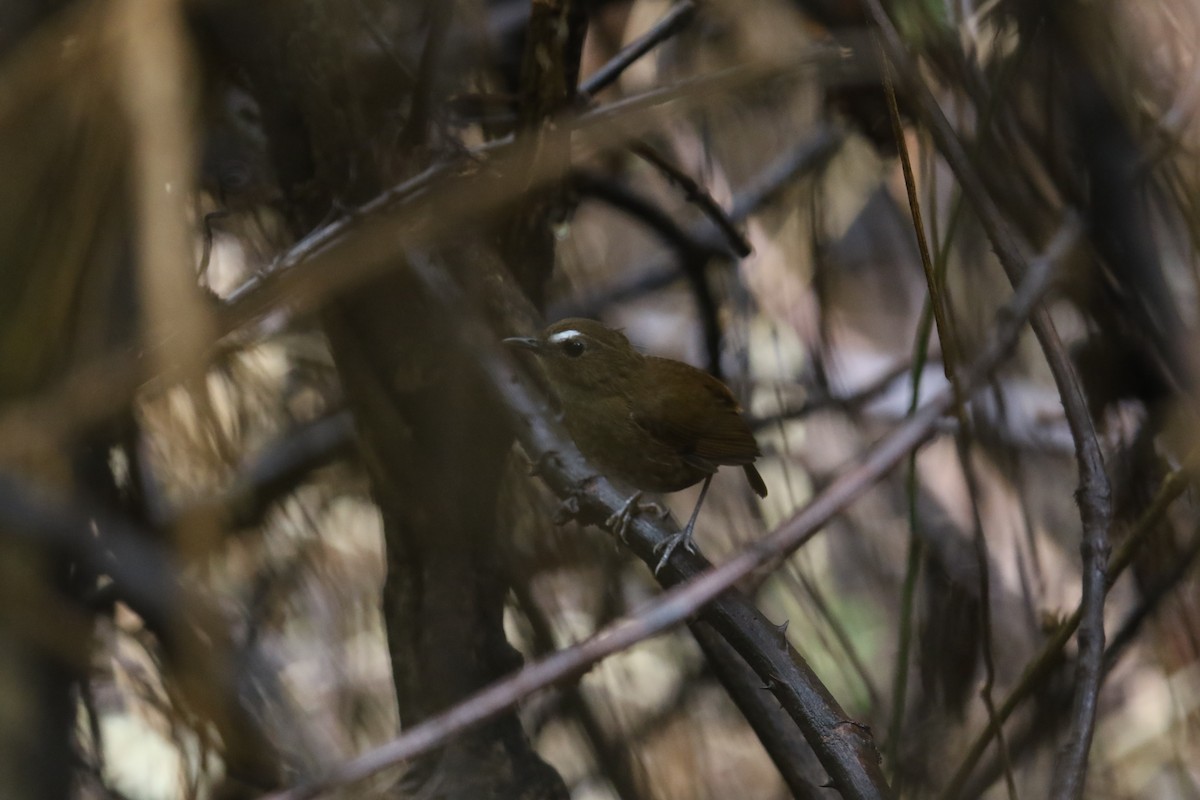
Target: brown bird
656,424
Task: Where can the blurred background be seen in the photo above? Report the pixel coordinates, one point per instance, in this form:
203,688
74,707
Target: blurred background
261,509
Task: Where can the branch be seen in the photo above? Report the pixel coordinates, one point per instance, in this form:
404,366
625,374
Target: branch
672,22
435,205
274,472
842,748
695,194
1094,495
188,627
1152,597
1050,654
807,156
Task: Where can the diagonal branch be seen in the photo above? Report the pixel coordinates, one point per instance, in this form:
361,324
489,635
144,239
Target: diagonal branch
809,155
674,20
854,769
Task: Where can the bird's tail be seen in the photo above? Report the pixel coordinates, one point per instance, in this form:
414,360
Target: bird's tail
756,481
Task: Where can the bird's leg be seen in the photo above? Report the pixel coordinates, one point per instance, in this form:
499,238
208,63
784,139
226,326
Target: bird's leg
684,537
619,522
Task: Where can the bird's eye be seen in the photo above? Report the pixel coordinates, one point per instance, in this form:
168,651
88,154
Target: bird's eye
573,348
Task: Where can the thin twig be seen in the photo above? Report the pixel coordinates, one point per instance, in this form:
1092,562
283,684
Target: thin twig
809,155
637,207
675,20
416,129
848,402
1152,597
190,630
694,254
1095,508
949,339
274,472
612,757
360,246
1040,666
695,194
787,748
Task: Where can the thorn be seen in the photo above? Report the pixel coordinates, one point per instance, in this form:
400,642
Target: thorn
782,629
859,726
772,683
568,510
538,466
659,511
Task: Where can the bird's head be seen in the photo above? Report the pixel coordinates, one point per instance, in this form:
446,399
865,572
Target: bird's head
582,354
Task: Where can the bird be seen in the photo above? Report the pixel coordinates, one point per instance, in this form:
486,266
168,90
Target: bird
656,424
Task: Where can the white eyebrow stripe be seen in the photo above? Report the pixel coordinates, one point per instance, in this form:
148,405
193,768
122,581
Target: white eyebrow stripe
563,336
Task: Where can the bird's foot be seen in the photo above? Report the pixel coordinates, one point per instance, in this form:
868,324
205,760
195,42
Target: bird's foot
619,522
670,544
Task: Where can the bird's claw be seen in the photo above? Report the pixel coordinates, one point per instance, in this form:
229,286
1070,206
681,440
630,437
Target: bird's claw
619,522
539,465
670,544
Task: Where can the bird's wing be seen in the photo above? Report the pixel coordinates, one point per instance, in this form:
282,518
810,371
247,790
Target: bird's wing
703,422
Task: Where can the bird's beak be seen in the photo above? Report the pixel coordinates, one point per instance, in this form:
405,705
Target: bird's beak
524,342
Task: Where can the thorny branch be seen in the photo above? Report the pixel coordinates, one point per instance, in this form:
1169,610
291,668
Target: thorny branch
568,474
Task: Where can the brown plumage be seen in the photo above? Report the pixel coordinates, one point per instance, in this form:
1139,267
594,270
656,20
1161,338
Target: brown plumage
656,424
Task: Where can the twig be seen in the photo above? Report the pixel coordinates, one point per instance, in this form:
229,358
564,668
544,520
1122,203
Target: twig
648,213
695,194
809,155
1151,598
848,402
951,358
694,254
1039,667
675,20
1095,508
